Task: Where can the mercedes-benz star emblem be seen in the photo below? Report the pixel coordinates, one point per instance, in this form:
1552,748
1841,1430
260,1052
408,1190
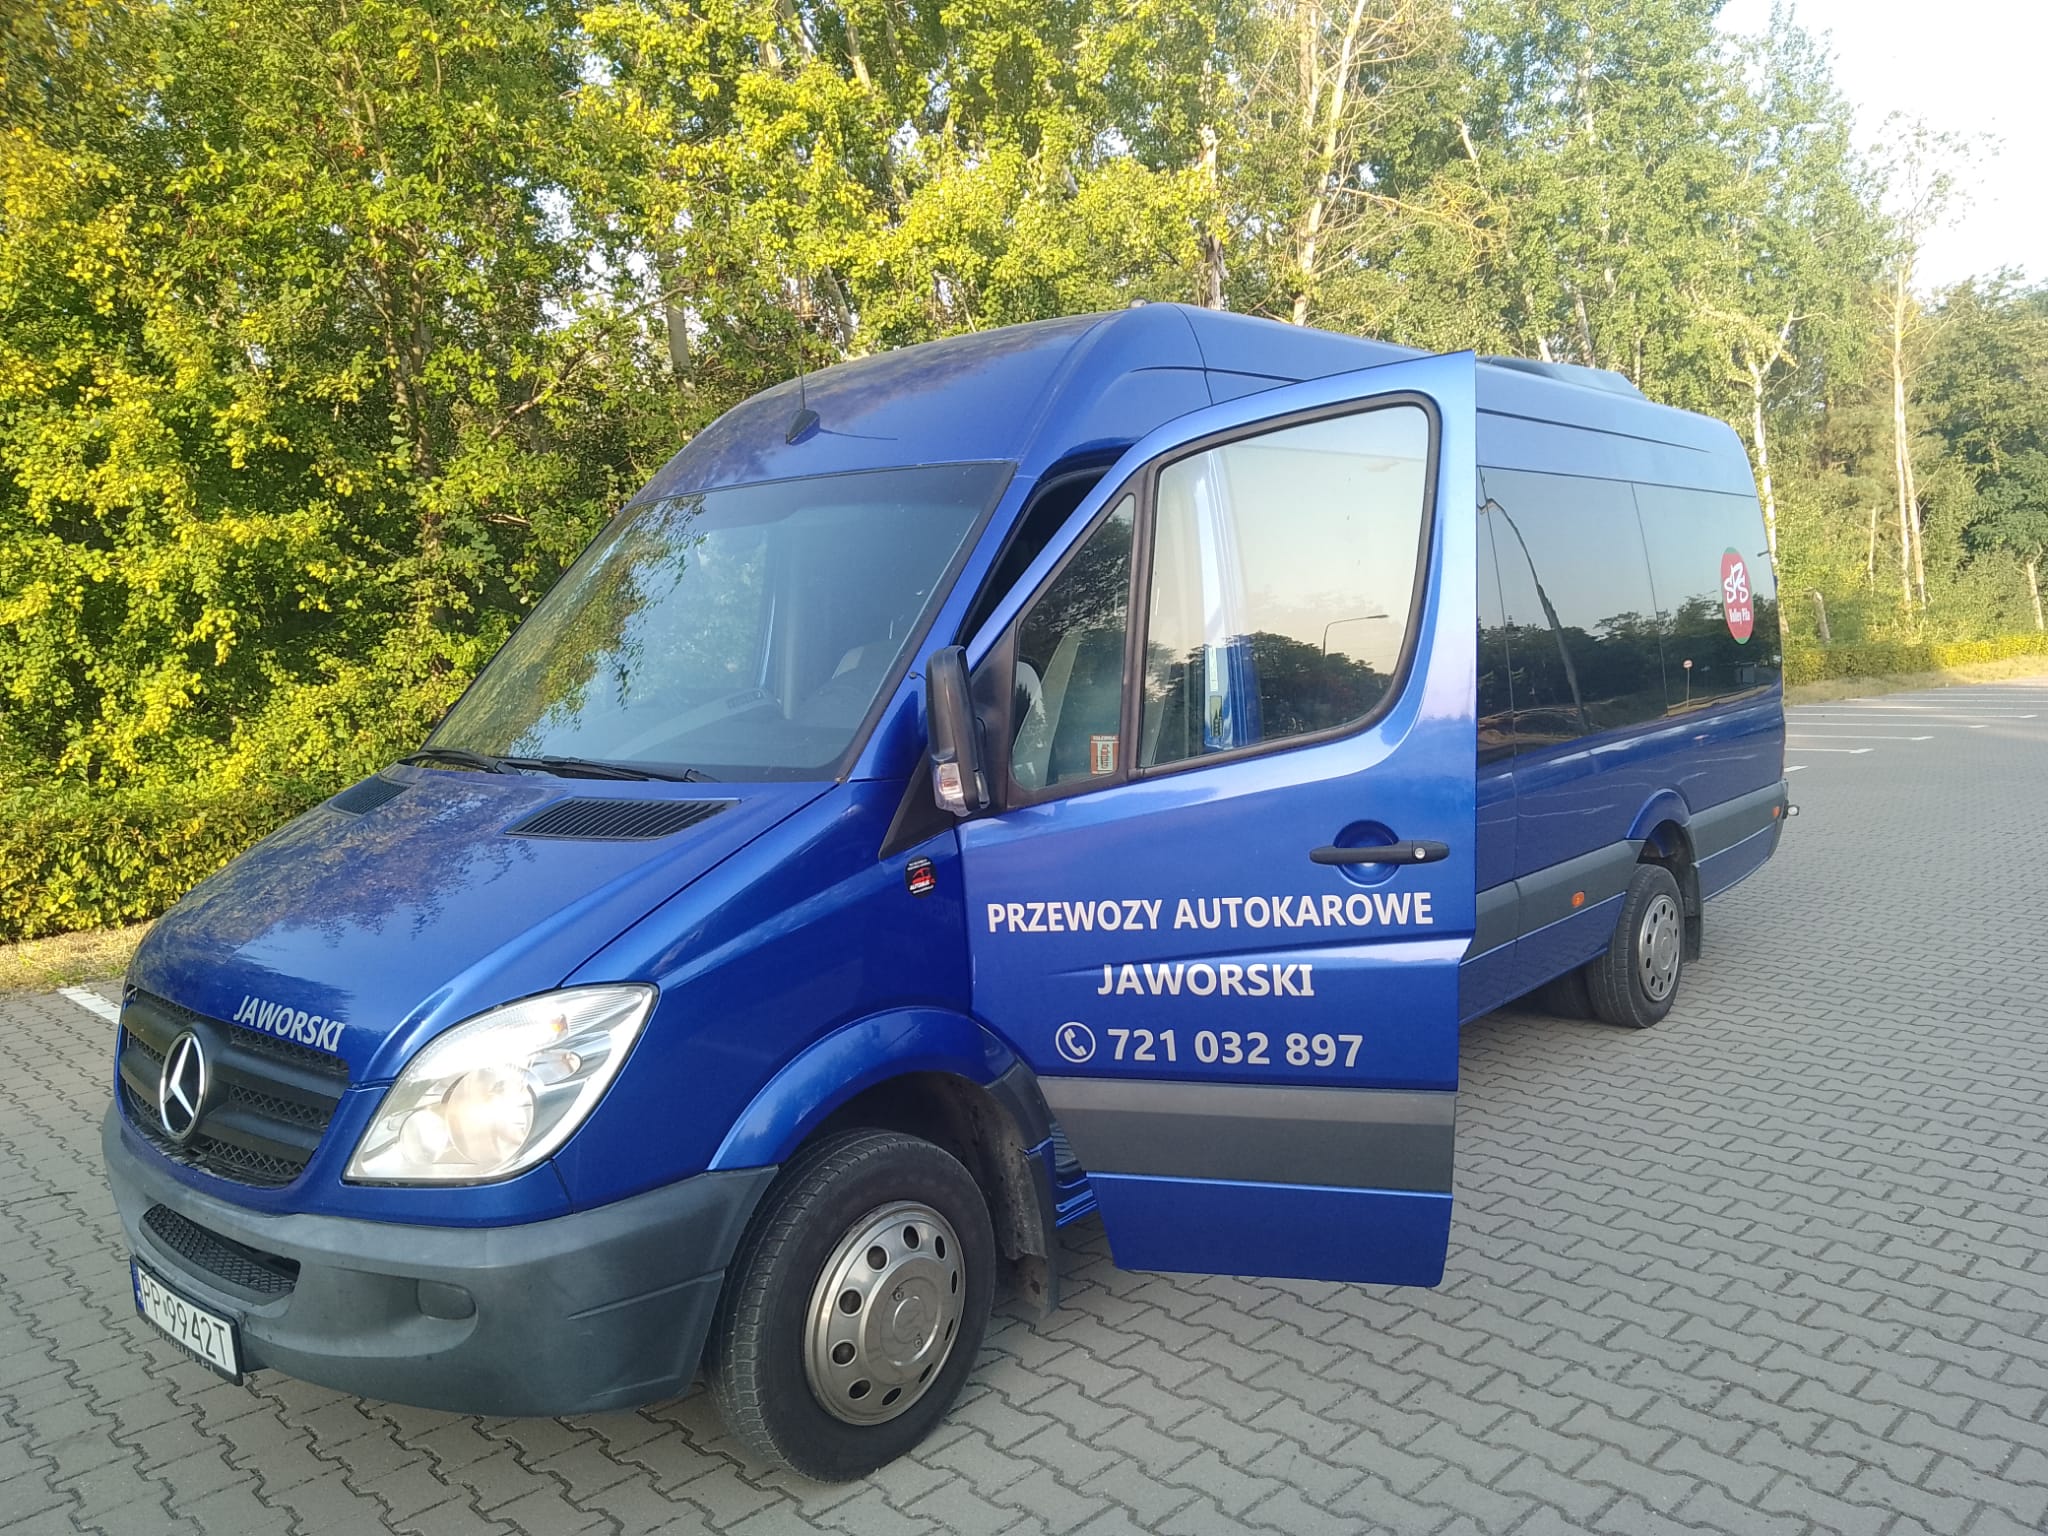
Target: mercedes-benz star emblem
181,1091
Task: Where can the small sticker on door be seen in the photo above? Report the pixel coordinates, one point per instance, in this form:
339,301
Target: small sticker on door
1736,604
1101,755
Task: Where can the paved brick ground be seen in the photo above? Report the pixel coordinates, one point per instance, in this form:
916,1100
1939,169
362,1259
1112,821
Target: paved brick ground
1777,1265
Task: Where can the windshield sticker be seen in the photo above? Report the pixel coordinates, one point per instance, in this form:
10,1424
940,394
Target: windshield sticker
1101,755
1736,605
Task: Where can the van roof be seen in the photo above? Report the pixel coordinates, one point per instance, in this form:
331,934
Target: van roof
1054,390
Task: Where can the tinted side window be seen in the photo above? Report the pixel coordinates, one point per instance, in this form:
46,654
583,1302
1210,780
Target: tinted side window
1715,587
1283,579
1496,696
1582,621
1070,663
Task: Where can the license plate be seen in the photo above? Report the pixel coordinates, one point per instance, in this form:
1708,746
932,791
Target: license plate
207,1334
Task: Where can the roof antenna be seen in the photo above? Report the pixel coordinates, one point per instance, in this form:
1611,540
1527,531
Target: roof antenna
805,418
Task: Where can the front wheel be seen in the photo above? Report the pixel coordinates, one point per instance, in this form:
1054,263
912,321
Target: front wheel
1636,981
855,1306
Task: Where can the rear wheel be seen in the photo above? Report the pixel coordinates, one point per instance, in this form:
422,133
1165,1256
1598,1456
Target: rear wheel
1636,981
855,1306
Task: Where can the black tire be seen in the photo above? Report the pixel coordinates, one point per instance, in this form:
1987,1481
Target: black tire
1635,983
759,1352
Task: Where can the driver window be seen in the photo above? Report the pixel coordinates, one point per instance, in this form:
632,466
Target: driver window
1283,582
1070,664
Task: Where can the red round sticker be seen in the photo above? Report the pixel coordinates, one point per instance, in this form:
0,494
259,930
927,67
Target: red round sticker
1737,606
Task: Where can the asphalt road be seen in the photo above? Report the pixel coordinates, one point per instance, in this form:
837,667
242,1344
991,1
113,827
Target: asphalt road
1777,1265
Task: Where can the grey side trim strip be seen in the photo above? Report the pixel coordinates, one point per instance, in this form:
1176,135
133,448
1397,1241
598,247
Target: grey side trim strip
1547,894
1721,827
1350,1138
1499,919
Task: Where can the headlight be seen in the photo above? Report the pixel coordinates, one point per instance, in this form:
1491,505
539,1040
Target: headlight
493,1096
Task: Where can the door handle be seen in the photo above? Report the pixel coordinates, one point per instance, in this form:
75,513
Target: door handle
1383,853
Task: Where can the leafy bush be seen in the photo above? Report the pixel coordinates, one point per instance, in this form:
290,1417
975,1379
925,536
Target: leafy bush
1811,664
73,857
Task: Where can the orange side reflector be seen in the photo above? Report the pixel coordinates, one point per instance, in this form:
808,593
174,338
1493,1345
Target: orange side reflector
1578,898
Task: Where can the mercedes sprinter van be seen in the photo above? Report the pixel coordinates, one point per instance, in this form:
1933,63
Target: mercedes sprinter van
1086,768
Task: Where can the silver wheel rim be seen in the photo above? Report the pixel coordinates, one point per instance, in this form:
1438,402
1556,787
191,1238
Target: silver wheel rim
884,1313
1657,949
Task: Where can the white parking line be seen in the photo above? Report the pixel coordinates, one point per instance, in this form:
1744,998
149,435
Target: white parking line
91,1002
1960,712
1843,736
1851,751
1903,722
1797,767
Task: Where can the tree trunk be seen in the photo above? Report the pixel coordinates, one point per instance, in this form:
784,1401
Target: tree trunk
1919,533
1763,457
1899,477
675,320
1585,329
1213,270
1870,560
853,53
1324,162
1905,535
1306,263
1911,564
1820,615
1765,492
827,281
2034,589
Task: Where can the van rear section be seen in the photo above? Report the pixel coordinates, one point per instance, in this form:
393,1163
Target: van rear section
1087,770
1629,709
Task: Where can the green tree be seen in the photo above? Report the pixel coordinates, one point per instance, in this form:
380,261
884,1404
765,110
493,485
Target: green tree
305,384
2015,518
1985,382
1799,243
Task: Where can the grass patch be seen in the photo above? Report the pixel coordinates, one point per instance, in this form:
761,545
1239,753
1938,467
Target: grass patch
39,965
1829,689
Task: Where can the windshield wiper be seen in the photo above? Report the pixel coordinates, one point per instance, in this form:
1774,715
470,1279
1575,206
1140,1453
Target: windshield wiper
483,762
590,768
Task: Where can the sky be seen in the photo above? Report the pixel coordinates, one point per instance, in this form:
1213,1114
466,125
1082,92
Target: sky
1968,67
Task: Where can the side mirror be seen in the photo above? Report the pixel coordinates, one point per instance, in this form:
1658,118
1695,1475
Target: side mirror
959,782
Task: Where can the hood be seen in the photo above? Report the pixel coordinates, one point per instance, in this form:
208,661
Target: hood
359,932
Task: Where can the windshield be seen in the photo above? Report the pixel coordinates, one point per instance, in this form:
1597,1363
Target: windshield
743,633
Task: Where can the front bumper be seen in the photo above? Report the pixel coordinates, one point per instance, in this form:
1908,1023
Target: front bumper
598,1310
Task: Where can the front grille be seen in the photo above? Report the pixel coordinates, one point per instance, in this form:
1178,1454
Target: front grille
616,821
267,1106
248,1269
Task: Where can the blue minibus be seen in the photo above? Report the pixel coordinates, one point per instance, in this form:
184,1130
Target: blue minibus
1088,768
